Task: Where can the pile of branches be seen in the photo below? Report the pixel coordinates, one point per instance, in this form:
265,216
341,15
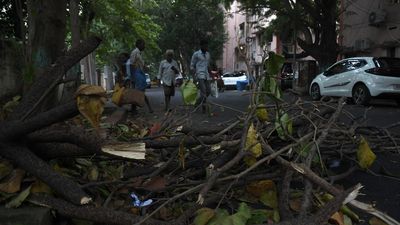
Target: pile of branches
187,167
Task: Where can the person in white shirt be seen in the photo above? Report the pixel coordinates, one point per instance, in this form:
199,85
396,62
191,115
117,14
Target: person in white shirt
167,73
199,66
137,72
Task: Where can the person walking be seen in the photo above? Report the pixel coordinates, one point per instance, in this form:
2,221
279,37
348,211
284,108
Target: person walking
167,73
199,66
137,72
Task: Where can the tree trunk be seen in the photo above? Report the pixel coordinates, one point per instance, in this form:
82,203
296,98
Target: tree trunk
74,74
47,32
325,48
47,19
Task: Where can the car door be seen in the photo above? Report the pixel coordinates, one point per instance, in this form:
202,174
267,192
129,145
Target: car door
333,79
228,79
347,78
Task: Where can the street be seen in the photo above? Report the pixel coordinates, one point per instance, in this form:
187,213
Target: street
378,189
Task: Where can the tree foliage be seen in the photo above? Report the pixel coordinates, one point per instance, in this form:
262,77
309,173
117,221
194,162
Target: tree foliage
11,14
186,22
120,23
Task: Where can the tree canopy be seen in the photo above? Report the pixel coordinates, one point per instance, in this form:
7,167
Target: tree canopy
185,22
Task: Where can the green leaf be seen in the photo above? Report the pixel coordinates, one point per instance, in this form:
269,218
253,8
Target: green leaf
220,216
347,220
270,199
283,125
258,216
203,216
240,218
17,201
274,63
243,212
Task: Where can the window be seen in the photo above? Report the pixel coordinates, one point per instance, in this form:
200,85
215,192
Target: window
337,68
355,64
387,62
391,52
241,30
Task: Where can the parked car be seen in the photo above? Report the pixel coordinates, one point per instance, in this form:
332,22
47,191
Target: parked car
230,79
178,80
286,75
216,76
359,78
148,80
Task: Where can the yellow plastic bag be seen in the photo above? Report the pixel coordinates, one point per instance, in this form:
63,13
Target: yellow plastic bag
117,95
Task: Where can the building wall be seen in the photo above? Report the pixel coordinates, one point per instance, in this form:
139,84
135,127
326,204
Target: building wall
360,37
231,61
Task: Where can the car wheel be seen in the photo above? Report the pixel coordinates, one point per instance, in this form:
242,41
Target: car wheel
315,92
361,95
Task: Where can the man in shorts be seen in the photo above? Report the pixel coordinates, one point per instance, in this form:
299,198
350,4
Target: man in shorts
167,73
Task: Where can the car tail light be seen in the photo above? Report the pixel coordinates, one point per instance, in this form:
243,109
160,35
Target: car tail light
384,71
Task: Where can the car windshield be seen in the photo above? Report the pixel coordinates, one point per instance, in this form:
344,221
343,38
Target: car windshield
388,63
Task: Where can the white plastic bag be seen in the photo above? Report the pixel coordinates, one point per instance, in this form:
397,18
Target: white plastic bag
214,88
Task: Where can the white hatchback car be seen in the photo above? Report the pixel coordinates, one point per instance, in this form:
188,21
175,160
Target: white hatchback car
230,79
359,78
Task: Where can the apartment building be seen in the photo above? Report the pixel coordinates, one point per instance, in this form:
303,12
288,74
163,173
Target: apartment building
243,50
370,28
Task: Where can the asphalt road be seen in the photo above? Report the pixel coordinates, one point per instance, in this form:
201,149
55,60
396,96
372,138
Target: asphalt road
383,191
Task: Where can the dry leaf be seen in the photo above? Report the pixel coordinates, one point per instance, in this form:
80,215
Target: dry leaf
126,150
375,221
90,101
93,174
155,128
40,187
5,169
13,183
365,155
155,184
337,218
165,214
295,204
86,89
257,188
256,150
91,107
117,94
262,113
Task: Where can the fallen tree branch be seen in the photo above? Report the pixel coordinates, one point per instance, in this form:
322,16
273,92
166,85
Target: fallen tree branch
34,165
52,75
310,175
96,214
16,129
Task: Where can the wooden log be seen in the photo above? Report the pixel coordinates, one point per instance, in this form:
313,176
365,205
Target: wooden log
16,129
96,214
60,150
65,134
28,161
